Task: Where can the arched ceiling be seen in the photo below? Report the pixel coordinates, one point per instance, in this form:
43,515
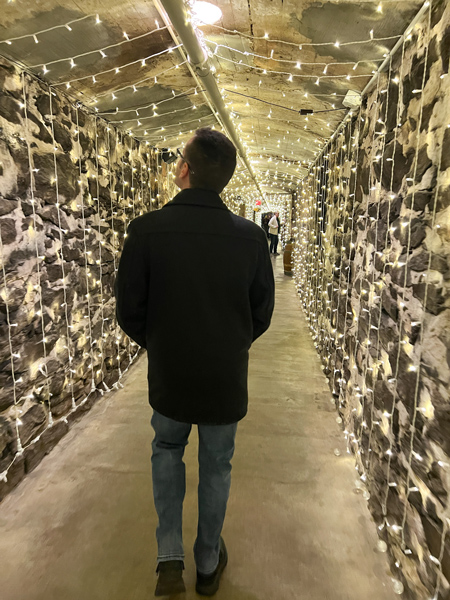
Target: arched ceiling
272,59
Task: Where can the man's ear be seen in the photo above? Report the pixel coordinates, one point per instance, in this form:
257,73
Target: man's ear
184,170
185,175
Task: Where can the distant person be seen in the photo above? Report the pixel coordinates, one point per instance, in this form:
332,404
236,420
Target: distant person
195,288
265,225
274,228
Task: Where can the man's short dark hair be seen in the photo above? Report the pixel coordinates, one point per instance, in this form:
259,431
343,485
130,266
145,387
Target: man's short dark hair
212,160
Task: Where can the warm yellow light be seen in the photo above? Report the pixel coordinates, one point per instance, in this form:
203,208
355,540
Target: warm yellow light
206,13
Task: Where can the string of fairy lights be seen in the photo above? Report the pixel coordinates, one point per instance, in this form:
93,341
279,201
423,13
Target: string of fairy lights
354,142
314,71
114,242
298,64
96,77
341,184
99,282
92,236
415,365
336,228
5,297
68,340
134,87
70,29
363,311
102,51
266,37
291,77
435,226
322,300
313,272
380,284
117,70
154,107
39,33
382,256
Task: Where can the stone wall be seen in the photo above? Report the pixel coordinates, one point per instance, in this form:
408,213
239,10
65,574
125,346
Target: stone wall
372,267
69,185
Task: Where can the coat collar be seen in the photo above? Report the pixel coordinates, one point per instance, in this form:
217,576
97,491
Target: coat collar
197,197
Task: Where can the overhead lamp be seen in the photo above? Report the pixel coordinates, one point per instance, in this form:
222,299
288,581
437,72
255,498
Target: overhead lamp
205,12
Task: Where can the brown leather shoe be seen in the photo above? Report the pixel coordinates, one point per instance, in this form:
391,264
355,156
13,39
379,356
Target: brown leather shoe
207,585
170,578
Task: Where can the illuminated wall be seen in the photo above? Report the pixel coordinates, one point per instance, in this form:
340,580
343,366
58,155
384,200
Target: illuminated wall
69,185
372,264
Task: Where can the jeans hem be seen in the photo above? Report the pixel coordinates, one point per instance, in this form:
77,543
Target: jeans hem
167,557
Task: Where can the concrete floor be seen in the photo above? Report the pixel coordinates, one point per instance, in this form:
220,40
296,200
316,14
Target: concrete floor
81,526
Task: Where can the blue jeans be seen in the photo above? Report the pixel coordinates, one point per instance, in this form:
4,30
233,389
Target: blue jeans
215,451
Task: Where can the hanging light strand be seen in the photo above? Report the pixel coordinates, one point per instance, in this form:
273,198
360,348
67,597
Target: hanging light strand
368,40
101,344
41,31
292,76
354,159
60,254
157,116
188,92
86,254
114,244
39,258
298,64
97,51
116,70
416,366
4,296
384,257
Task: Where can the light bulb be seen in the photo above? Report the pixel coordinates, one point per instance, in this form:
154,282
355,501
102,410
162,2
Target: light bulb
206,13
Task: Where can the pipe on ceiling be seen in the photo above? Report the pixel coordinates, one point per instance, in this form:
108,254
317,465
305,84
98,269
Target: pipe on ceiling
176,11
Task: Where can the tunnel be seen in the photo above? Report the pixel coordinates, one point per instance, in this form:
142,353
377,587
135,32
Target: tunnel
339,113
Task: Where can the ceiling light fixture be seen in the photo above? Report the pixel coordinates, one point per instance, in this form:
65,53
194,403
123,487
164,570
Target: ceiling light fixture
206,13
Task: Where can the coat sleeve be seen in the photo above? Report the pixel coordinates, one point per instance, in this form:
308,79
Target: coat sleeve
131,288
262,292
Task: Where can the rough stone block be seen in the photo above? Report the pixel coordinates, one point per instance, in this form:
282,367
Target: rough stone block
61,405
7,206
431,295
419,200
15,475
63,137
8,230
34,420
10,109
384,397
44,107
55,216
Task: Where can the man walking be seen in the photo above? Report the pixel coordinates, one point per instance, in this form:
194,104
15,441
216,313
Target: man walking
274,228
195,288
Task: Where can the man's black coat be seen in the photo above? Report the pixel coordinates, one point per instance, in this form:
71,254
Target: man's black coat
195,288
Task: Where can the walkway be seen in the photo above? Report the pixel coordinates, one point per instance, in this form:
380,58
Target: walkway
81,526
